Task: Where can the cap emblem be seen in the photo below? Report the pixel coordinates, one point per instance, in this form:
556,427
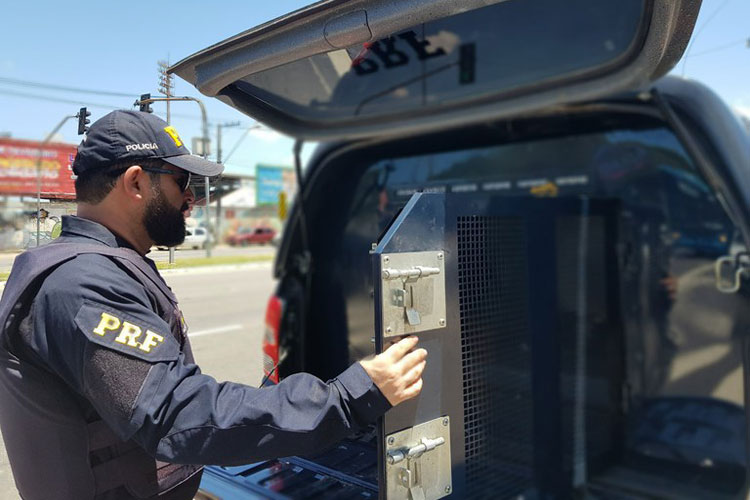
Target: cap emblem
174,135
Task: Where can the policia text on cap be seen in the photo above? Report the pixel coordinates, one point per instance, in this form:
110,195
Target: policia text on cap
99,394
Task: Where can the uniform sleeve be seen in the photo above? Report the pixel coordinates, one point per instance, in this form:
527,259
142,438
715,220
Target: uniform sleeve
186,417
105,340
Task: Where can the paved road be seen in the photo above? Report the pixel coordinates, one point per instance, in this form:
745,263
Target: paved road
224,309
225,312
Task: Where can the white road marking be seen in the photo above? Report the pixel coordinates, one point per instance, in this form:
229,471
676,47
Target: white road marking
216,269
211,331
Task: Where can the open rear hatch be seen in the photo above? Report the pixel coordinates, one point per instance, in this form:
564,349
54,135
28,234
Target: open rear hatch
345,69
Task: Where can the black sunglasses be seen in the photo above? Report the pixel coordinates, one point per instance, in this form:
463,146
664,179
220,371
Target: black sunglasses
183,176
182,180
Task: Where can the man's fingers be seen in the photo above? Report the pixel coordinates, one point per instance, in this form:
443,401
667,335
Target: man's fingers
414,374
397,372
413,390
400,348
412,359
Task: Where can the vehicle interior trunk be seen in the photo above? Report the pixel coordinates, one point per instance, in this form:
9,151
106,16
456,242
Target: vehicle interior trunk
618,369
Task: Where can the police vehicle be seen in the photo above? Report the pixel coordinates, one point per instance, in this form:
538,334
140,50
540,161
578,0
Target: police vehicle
519,184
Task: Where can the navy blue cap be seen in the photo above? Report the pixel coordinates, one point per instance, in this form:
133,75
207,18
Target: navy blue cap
125,135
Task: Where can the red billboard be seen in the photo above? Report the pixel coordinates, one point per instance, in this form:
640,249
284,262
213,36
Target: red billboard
20,159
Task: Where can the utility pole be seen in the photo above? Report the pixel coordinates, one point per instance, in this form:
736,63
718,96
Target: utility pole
218,184
165,84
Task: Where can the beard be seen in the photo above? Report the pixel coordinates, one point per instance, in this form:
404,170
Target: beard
164,223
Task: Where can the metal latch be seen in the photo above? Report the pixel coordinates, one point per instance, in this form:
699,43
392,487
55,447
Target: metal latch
396,456
412,274
413,285
418,467
731,270
399,297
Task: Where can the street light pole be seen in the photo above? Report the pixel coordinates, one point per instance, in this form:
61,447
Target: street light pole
39,171
165,87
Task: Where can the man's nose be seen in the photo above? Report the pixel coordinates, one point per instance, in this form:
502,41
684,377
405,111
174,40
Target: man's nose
188,196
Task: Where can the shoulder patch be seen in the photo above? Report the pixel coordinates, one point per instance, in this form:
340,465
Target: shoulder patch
126,333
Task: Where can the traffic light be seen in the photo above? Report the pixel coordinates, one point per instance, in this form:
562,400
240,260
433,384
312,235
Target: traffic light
145,106
83,121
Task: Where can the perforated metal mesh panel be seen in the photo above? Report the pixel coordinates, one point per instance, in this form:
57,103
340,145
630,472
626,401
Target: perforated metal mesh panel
496,356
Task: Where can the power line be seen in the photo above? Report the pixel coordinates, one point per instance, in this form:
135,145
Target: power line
695,36
58,99
237,144
89,104
721,47
48,86
245,134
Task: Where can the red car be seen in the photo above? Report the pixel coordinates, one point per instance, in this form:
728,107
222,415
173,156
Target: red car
247,236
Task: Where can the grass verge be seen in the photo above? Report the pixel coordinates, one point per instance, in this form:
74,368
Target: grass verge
214,261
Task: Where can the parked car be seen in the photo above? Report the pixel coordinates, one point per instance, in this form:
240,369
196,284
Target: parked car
525,171
195,238
252,236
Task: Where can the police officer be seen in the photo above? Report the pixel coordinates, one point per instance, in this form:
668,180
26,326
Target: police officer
99,394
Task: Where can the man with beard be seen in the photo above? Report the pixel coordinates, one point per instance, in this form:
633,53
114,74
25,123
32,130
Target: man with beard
99,394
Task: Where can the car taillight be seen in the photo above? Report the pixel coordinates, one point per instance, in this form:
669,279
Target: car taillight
274,311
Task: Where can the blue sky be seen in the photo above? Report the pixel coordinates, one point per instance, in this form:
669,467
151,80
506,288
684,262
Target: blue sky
115,46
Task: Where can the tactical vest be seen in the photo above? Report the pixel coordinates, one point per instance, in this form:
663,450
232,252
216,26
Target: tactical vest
54,451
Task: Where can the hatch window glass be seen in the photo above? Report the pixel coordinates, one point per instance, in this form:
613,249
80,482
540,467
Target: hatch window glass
509,47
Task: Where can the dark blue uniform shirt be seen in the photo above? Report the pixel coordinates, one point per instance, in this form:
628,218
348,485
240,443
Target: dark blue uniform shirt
97,328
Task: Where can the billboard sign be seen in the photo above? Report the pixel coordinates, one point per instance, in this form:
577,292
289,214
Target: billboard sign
272,180
18,168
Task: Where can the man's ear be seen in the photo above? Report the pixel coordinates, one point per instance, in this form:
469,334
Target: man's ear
135,182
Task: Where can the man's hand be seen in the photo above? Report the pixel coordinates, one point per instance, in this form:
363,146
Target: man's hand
398,371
